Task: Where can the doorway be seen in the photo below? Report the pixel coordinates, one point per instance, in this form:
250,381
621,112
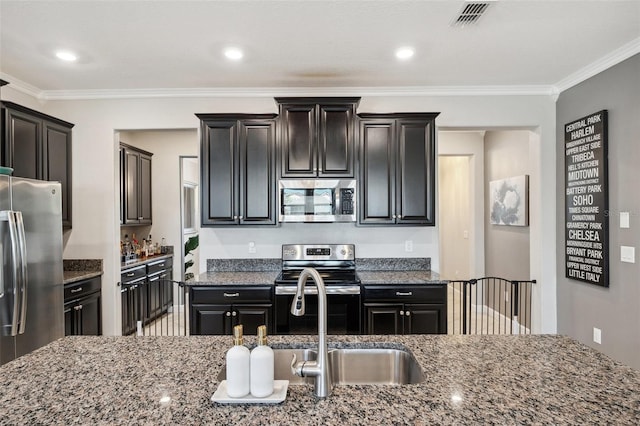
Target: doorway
189,218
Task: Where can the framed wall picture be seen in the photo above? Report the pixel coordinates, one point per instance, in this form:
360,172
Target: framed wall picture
509,200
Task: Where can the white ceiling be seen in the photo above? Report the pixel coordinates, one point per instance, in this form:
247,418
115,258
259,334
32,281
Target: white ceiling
176,46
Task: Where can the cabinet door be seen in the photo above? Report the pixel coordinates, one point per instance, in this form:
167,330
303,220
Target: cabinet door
336,140
131,309
23,144
154,297
218,170
415,178
89,316
253,316
131,186
144,190
377,172
69,319
257,172
383,318
298,141
425,319
211,319
57,163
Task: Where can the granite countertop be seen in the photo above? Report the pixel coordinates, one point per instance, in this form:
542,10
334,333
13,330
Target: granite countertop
234,278
71,277
144,261
470,380
400,277
75,270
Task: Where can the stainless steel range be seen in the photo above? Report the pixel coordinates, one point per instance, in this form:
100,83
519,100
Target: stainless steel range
337,266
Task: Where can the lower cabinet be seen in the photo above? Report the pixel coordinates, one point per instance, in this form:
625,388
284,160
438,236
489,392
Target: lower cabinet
215,310
82,308
146,293
405,310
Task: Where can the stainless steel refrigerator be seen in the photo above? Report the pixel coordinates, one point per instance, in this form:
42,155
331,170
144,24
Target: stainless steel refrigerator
31,281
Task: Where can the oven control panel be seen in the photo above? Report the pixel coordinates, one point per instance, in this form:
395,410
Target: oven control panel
318,252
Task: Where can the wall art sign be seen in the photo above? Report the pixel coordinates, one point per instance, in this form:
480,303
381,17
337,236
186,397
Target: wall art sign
510,201
587,200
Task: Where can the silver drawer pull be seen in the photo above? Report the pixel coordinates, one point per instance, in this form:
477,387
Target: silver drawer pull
231,294
131,274
404,293
75,290
234,313
228,314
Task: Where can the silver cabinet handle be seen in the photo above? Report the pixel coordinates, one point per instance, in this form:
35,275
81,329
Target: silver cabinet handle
234,313
140,218
404,293
235,217
131,274
393,216
231,294
240,217
408,313
401,312
78,308
75,290
228,314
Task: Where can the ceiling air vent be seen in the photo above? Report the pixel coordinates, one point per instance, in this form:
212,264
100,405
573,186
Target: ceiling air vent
470,13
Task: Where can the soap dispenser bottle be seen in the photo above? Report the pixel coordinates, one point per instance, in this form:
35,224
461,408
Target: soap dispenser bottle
262,366
238,358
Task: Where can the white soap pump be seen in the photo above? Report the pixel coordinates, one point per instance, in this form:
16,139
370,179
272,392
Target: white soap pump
262,366
238,359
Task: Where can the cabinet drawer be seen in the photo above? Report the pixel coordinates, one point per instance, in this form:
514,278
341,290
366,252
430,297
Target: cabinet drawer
133,274
408,294
81,288
159,265
231,294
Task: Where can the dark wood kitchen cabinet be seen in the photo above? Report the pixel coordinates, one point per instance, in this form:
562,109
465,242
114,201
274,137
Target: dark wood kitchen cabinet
397,169
317,137
216,309
38,146
135,186
416,309
146,292
83,308
238,166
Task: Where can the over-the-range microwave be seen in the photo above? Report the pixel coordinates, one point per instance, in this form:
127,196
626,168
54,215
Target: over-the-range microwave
317,200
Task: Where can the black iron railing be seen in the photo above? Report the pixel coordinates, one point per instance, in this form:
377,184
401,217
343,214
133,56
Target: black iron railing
490,305
154,308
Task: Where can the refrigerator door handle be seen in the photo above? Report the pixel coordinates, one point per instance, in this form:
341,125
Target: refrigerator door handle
8,215
22,249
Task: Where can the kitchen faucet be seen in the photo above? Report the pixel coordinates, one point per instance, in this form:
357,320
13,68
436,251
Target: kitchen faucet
318,369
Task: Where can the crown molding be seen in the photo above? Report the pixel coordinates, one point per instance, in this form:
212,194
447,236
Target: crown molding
606,62
22,86
297,91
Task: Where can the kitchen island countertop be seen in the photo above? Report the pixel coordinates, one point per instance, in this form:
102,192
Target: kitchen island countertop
540,379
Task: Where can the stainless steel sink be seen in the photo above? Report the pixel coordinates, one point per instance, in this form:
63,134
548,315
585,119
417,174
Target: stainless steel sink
352,366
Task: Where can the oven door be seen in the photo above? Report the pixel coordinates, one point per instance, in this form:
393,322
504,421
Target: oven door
343,310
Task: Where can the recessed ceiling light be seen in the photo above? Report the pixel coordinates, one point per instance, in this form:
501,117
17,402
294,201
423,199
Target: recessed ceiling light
66,55
404,53
233,53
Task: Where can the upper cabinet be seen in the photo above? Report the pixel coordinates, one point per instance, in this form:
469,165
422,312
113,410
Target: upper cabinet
38,146
135,186
397,169
317,137
238,169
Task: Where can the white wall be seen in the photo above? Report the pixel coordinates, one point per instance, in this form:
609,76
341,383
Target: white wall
95,191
